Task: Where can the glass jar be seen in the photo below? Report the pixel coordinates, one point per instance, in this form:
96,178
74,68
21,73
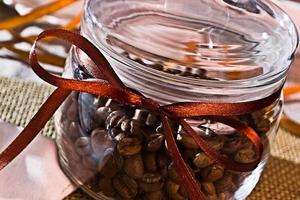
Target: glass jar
173,51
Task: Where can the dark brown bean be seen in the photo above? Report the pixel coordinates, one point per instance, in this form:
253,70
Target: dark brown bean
225,184
150,162
111,165
129,146
125,186
208,188
134,166
212,173
201,160
156,142
151,182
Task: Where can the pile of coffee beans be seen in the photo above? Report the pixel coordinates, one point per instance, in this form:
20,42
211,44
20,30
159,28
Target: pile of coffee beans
124,147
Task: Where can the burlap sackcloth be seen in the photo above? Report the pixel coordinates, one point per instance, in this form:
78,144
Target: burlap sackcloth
280,181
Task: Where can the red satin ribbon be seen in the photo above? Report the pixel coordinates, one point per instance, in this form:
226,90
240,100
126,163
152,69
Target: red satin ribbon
112,87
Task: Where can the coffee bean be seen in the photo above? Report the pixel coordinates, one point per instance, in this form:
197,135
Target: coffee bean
172,174
150,162
106,187
212,197
201,160
187,141
83,146
225,184
156,142
125,125
232,145
224,196
101,115
163,163
208,188
134,166
111,164
151,120
245,155
151,182
125,186
173,190
136,128
129,146
100,141
113,119
157,195
212,173
216,143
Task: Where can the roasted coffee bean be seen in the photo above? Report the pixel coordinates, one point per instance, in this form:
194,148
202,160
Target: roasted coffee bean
216,143
156,142
232,145
125,125
125,186
100,141
208,188
101,115
135,128
173,190
113,118
172,174
106,187
151,120
119,137
224,196
212,173
212,197
151,182
134,167
111,164
187,141
129,146
157,195
201,160
150,162
113,132
163,163
225,184
245,155
83,146
119,123
140,115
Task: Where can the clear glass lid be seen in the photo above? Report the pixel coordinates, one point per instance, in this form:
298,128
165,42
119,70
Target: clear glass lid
211,40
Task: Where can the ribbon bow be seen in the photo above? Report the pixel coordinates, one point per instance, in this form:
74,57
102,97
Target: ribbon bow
109,85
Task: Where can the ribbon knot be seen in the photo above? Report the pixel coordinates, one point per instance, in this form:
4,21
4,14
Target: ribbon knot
109,85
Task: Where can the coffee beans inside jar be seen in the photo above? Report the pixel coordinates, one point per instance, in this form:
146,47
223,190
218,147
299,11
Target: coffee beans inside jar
123,150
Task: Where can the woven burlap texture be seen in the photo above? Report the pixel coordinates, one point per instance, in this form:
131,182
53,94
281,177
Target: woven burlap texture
280,180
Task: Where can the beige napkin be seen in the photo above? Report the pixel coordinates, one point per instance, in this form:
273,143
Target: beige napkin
35,174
